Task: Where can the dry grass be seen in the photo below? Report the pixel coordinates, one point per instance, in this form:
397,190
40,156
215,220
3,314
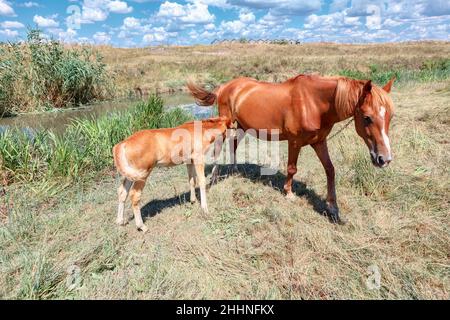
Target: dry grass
163,69
254,244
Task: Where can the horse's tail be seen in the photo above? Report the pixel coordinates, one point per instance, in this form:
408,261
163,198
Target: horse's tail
202,96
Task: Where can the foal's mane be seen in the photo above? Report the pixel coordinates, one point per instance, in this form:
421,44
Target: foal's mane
348,93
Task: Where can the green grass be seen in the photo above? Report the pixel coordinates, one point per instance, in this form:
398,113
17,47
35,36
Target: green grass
431,70
83,148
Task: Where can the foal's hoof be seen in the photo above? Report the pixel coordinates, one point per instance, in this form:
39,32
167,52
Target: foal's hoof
121,222
290,196
143,228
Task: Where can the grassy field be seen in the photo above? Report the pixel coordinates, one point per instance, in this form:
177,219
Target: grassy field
58,238
165,69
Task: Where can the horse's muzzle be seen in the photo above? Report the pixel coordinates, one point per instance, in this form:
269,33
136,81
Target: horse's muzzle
380,161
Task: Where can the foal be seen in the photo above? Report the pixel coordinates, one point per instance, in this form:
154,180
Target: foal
136,156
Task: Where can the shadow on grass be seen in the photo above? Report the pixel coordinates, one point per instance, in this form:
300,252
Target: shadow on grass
276,181
249,171
155,206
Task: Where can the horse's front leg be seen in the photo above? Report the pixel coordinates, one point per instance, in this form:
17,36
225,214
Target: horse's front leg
293,152
321,150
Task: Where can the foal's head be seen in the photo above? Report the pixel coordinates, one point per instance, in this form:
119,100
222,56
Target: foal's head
372,118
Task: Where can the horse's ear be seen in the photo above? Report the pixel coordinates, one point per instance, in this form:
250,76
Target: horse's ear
367,87
388,86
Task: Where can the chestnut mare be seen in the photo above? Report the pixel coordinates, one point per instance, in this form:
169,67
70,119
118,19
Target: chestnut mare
303,110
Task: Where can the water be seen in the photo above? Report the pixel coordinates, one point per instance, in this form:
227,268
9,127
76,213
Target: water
58,120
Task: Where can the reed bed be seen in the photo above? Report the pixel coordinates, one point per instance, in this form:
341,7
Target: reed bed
83,148
41,74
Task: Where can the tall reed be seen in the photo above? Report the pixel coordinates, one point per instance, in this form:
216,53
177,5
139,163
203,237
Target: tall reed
41,74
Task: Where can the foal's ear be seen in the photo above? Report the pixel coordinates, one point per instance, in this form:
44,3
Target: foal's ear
388,86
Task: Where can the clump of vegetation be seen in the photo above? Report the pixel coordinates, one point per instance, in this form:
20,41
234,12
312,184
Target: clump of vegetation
430,70
84,147
41,74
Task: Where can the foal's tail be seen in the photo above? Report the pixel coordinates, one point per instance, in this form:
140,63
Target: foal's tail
202,96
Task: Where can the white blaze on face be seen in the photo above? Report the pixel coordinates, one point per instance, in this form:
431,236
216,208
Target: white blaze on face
384,135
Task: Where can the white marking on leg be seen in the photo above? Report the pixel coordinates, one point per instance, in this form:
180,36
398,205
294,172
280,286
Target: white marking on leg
124,189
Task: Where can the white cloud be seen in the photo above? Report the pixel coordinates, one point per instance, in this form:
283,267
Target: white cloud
99,10
236,26
281,7
131,23
195,12
171,10
6,9
158,35
9,33
101,37
119,7
30,4
246,16
12,25
45,22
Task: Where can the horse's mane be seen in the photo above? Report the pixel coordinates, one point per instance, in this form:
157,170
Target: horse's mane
348,93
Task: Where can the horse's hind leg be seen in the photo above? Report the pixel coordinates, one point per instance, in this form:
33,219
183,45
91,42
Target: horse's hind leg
122,193
135,195
321,150
293,151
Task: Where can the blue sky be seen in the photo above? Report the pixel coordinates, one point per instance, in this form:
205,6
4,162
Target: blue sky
137,23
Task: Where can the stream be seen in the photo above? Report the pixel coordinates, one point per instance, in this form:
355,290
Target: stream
58,120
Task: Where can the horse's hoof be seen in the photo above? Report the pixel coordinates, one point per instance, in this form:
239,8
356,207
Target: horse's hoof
213,181
333,215
234,171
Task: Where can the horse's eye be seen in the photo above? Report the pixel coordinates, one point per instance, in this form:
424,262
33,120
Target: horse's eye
367,121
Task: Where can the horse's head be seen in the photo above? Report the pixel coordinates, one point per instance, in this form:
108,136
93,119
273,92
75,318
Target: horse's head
372,119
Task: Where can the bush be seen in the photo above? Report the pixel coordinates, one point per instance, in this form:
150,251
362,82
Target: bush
41,74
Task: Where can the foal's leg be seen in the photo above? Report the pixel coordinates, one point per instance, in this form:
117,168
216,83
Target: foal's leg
135,195
122,192
192,181
200,171
293,151
321,150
